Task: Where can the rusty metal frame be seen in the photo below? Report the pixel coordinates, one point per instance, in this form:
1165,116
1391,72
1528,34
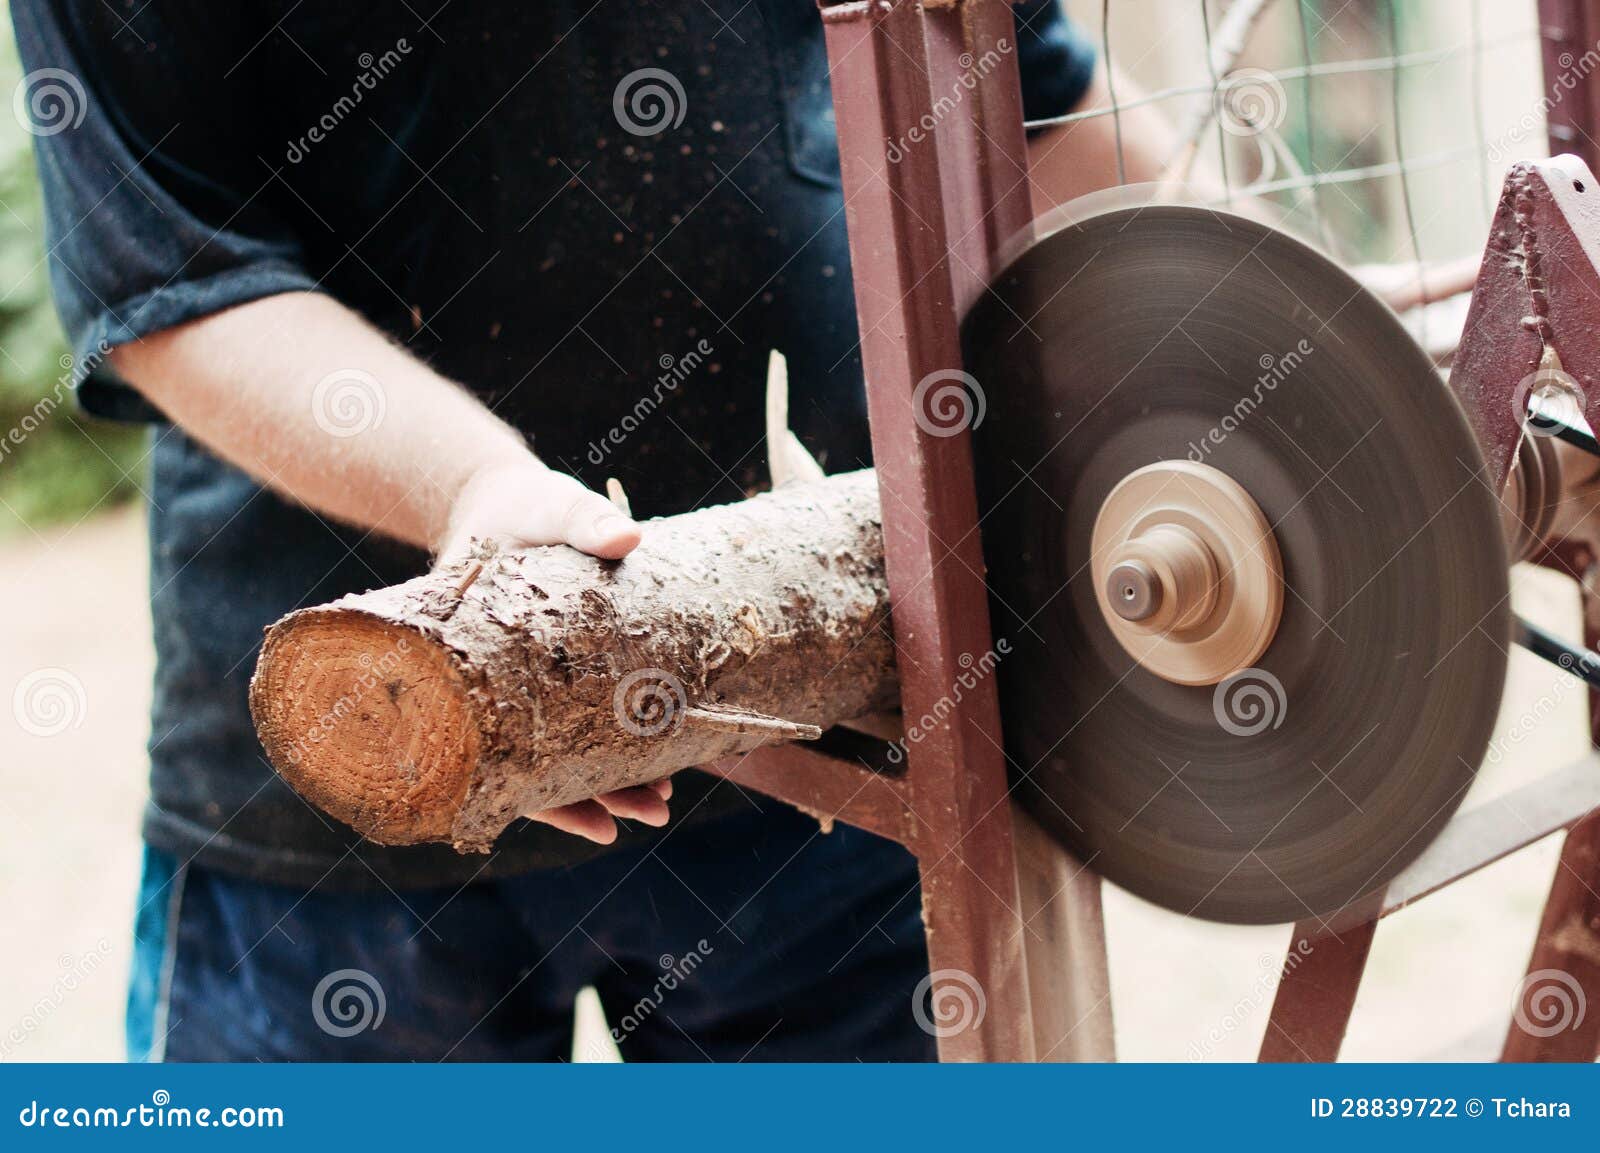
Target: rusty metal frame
1570,30
1537,289
1569,930
1006,910
1004,907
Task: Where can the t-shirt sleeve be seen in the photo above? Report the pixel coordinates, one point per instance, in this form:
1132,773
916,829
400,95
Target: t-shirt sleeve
1056,61
159,208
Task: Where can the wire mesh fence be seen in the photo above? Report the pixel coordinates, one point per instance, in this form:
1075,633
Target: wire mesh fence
1379,129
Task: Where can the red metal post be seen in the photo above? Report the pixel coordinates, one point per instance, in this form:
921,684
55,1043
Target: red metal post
1317,991
1570,31
934,164
923,229
1566,956
1557,1005
1557,1014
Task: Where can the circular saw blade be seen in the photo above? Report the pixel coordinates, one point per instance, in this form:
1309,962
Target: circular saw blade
1168,332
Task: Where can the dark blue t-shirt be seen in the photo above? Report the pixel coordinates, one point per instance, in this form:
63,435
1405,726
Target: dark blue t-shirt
560,205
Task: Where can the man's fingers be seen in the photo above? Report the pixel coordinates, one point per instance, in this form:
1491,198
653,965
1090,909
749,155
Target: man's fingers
587,819
532,505
592,524
596,819
643,804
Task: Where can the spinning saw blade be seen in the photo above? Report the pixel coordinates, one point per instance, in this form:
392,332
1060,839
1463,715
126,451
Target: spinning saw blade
1245,558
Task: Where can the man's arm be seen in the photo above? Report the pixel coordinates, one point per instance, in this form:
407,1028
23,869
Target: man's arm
308,398
1070,160
414,456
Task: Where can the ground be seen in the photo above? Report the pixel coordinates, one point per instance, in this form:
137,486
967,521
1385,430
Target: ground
1440,984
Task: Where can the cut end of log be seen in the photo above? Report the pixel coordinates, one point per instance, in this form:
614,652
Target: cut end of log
368,721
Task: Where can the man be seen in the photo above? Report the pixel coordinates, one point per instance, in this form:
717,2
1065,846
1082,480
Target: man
387,283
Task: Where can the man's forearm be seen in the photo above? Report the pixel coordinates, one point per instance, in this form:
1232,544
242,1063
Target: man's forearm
1070,160
304,395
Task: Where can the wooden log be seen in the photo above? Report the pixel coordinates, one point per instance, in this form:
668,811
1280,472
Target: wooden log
444,708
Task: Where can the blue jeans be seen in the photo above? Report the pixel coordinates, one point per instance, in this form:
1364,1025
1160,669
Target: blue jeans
750,937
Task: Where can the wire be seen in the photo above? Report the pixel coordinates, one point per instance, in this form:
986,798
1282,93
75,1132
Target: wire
1315,187
1397,111
1222,137
1111,91
1477,111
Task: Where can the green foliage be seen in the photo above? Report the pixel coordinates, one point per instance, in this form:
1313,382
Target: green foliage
65,464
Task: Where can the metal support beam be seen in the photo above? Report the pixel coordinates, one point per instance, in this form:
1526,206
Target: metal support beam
1570,29
923,229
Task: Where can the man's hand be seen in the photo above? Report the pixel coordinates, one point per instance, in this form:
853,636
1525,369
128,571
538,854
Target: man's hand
1070,160
596,819
525,503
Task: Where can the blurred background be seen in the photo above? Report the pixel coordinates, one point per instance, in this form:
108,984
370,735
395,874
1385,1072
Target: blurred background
1453,87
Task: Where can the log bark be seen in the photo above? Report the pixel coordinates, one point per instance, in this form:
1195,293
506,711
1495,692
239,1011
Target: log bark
444,708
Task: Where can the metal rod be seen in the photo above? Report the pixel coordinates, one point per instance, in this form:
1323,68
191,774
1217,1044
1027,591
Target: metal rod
1309,89
1111,90
1580,662
1545,424
1397,109
1440,159
1216,79
1485,184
